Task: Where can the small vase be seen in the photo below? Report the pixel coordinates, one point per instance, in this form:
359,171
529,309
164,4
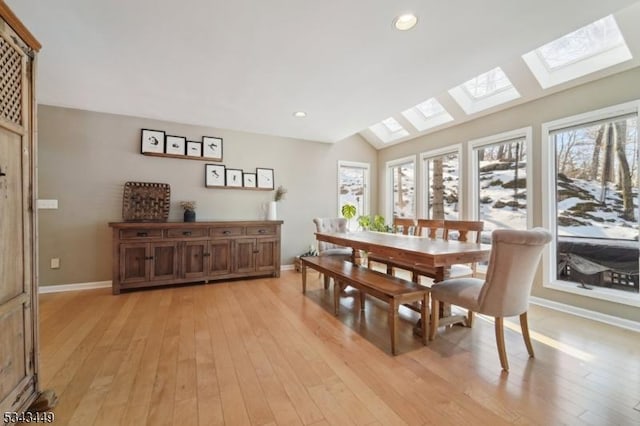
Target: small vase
272,213
189,215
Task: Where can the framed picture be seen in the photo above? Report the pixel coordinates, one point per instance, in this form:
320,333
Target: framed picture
212,148
214,175
152,141
175,145
234,177
264,178
194,149
249,180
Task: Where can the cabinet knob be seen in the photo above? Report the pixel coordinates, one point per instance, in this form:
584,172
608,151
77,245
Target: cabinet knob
256,251
261,231
149,257
226,232
206,254
142,234
186,233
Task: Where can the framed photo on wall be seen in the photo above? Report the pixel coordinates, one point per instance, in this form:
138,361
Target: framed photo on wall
175,145
194,149
212,148
214,175
152,141
249,180
264,178
234,177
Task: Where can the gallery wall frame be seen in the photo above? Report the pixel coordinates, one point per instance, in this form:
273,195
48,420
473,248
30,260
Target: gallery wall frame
265,178
176,145
212,148
152,141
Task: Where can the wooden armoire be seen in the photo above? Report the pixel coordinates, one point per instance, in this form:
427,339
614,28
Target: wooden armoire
18,231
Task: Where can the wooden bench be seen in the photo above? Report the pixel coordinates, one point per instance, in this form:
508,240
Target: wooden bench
393,290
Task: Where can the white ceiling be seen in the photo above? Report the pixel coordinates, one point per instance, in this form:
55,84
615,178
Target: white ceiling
248,65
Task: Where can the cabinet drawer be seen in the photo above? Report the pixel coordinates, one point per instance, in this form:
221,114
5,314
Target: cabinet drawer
132,234
261,230
226,231
186,232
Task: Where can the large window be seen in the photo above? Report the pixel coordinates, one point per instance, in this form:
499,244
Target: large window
593,200
401,180
353,188
441,182
500,180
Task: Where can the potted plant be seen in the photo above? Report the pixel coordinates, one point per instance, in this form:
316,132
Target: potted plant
348,212
189,210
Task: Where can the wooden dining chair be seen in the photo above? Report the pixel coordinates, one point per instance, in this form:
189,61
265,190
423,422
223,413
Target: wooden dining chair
505,292
463,230
405,226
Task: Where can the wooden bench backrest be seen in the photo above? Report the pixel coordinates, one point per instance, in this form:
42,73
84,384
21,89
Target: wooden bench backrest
430,227
464,227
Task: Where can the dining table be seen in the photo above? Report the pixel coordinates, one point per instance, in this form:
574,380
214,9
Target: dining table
437,254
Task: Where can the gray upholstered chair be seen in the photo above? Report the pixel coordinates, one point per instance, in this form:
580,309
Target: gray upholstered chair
505,292
331,224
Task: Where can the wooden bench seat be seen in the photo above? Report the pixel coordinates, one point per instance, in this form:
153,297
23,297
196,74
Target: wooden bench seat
393,290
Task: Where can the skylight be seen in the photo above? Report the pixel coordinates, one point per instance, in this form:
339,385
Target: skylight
484,91
487,84
389,130
427,114
587,41
594,47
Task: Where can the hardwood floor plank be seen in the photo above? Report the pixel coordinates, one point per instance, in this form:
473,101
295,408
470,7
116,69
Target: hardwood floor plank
260,352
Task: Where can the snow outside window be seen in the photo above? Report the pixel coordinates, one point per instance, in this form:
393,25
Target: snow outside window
401,179
353,188
595,204
441,177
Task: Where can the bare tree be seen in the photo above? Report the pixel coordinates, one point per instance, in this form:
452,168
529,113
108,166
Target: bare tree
625,174
595,158
607,163
437,188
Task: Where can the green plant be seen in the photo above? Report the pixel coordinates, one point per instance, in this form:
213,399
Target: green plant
348,211
377,223
364,222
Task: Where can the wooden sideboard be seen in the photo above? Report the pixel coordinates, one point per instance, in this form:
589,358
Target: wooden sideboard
158,254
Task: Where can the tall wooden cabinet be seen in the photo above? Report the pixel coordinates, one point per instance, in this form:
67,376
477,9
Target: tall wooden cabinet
157,254
18,273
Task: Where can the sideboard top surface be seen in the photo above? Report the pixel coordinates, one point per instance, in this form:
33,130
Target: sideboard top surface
125,225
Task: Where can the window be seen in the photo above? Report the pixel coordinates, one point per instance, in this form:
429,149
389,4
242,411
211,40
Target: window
441,177
402,184
484,91
501,188
353,188
591,48
592,202
427,114
389,130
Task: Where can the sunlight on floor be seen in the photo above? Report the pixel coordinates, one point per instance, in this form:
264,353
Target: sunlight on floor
567,349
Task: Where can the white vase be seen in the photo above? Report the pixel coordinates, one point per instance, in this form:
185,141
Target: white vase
272,212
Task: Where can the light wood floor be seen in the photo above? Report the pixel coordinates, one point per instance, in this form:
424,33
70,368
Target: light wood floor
259,352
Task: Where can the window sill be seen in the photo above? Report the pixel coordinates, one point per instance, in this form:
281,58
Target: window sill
610,295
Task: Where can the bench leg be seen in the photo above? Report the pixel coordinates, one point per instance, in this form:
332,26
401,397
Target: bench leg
362,296
393,319
304,278
326,281
424,311
336,296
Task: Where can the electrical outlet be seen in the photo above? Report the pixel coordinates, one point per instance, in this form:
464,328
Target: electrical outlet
55,263
47,204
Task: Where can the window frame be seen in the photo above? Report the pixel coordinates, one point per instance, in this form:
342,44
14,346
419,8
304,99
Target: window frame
473,196
548,170
389,185
423,198
367,184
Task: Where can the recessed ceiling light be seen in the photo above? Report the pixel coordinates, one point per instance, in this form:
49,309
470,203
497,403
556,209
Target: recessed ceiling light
300,114
405,22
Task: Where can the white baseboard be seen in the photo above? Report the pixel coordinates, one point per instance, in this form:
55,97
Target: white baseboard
102,284
586,313
73,287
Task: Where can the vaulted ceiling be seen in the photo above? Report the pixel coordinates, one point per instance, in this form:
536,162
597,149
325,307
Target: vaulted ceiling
249,65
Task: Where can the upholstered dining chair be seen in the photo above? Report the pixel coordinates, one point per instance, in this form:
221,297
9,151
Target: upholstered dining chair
505,292
331,224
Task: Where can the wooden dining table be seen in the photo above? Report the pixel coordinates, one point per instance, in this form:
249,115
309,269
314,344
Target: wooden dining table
437,254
